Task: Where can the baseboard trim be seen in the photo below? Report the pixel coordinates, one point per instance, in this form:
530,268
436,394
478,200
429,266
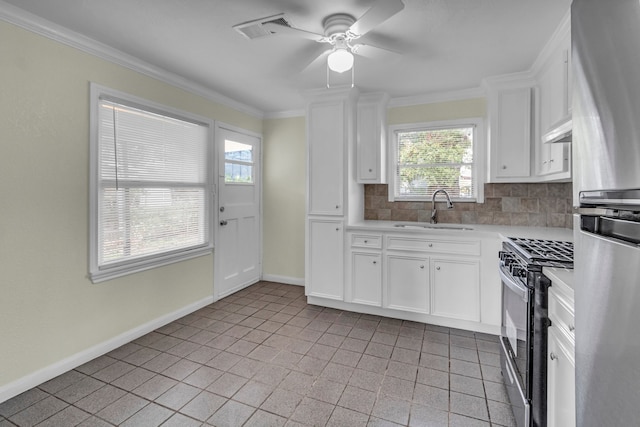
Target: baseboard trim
36,378
287,280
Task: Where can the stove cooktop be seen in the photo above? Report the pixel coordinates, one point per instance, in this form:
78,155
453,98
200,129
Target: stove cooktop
544,252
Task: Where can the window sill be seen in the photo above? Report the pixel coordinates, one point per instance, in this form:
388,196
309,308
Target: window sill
109,273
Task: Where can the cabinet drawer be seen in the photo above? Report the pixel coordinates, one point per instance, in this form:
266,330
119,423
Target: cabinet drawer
366,241
457,247
561,312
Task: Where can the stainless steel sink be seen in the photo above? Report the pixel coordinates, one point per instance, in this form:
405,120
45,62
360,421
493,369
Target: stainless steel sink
433,227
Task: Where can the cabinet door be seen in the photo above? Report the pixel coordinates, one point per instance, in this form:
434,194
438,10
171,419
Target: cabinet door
407,283
511,135
455,289
372,140
560,380
366,278
325,259
326,147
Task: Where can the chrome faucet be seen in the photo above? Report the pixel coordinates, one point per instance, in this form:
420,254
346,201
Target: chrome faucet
434,211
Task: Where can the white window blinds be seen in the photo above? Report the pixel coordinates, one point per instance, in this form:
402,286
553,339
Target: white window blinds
152,186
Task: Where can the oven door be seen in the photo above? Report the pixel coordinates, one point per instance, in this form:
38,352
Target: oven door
515,352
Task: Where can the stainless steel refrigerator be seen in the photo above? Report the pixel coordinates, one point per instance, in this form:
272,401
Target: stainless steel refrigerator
606,147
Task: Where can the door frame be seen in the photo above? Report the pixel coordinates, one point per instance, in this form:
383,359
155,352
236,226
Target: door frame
219,156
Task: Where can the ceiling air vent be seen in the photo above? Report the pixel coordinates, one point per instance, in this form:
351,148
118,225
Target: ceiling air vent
254,29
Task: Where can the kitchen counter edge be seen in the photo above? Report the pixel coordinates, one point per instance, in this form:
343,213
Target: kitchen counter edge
500,231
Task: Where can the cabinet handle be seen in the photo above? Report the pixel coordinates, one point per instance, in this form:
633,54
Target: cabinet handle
504,166
438,268
422,267
552,160
572,328
337,206
430,245
366,241
375,262
337,228
370,170
552,356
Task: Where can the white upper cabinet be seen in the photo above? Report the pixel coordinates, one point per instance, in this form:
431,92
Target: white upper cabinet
511,129
372,139
326,142
554,77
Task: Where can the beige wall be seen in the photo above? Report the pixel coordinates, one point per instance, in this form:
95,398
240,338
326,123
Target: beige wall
49,310
284,197
450,110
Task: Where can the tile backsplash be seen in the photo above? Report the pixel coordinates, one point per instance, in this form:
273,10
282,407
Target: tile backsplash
535,205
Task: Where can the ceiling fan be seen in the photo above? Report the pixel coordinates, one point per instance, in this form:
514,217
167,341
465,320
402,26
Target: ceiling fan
341,32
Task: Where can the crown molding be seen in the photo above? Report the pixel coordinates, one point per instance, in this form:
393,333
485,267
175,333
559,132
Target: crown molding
40,26
284,114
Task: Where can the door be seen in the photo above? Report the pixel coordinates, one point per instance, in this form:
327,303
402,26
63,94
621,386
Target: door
238,259
366,278
455,289
561,380
325,259
407,285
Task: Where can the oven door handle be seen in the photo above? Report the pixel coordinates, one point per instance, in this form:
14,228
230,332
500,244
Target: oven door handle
516,287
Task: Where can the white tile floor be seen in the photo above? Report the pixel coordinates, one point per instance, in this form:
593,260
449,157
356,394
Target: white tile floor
264,357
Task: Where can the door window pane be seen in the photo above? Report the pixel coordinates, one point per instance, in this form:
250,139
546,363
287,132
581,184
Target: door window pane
238,165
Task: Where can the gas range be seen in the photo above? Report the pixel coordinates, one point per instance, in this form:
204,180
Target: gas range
523,337
520,256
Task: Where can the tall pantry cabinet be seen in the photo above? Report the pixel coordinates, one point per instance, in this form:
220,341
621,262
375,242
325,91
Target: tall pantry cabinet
333,195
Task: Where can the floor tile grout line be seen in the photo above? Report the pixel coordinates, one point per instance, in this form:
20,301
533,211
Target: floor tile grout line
391,327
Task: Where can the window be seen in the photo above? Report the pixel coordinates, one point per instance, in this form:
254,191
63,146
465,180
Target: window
431,156
151,185
238,163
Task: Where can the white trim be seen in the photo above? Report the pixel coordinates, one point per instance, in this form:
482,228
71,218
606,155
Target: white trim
38,25
284,114
560,32
430,98
38,377
287,280
107,272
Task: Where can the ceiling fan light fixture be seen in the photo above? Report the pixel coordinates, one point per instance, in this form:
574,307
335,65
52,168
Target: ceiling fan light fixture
340,60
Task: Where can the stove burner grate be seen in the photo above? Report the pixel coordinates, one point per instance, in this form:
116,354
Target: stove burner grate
538,250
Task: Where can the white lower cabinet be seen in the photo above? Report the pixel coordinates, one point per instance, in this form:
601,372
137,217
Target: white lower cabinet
561,380
561,361
407,283
455,289
366,278
431,278
325,259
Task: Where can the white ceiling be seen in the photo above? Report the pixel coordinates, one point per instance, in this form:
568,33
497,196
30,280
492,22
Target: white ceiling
447,45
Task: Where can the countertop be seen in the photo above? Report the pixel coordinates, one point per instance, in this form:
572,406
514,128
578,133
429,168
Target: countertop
501,231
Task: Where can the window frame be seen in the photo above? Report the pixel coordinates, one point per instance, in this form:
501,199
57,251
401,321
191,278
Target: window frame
100,273
478,164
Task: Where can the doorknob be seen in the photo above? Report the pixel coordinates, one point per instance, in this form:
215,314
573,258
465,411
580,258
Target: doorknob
223,222
221,208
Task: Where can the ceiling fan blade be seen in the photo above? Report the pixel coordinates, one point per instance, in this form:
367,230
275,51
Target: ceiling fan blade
320,58
290,31
377,14
373,52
